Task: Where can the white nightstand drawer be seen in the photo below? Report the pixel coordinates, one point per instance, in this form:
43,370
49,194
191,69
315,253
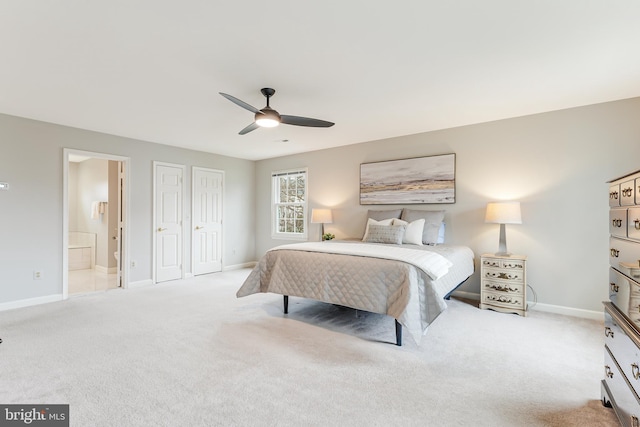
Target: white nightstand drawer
499,299
502,274
503,287
515,264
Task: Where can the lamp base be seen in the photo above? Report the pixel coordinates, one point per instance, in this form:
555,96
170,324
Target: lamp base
502,244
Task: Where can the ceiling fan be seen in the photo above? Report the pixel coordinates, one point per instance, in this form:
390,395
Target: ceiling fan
268,117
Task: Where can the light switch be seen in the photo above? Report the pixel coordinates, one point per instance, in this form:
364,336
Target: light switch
4,185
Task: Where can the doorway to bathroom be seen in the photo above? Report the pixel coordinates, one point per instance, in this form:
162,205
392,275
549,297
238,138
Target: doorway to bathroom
95,241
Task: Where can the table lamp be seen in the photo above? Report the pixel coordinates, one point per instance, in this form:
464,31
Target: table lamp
503,213
321,216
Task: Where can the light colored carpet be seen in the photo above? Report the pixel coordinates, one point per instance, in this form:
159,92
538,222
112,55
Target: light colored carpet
190,353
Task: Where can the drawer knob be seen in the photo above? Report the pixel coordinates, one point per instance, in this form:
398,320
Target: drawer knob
615,252
613,195
627,192
634,421
608,372
616,223
608,332
635,371
614,287
637,224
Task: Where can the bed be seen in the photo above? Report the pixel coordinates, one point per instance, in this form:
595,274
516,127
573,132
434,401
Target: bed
409,282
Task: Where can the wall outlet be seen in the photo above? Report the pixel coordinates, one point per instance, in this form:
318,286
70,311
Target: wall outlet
133,264
37,275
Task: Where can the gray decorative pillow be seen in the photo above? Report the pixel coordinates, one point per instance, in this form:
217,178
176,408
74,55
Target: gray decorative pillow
385,234
432,223
387,214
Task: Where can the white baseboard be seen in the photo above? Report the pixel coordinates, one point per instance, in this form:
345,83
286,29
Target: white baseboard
568,311
29,302
547,308
140,283
240,266
107,270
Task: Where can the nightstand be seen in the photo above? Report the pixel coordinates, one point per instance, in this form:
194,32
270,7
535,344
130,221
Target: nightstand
503,283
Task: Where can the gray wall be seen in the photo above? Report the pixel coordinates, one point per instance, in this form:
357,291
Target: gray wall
31,161
556,164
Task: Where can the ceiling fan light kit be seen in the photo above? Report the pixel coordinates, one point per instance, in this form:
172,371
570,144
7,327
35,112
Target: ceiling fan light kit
268,117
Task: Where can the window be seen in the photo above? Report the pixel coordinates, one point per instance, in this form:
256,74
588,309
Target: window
289,219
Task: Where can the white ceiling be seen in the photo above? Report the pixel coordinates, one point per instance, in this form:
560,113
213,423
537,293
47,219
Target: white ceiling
152,69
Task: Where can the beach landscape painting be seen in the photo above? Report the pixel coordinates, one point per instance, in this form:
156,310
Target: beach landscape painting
409,181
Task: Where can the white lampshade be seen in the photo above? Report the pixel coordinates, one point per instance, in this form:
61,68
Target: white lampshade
503,213
322,216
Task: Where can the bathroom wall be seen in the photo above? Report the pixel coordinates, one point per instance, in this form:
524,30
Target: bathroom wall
73,196
93,185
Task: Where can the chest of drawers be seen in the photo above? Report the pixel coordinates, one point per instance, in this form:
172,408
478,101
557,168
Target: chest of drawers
503,284
621,383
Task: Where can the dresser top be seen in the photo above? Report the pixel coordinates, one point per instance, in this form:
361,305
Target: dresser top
512,256
635,174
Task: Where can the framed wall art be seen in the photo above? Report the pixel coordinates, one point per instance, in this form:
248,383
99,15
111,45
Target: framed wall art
421,180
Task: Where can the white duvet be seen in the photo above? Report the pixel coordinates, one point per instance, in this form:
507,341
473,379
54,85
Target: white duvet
432,263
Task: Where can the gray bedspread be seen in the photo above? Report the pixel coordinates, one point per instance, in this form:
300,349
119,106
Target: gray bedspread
399,289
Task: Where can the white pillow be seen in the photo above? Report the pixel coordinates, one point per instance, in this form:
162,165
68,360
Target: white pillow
373,221
413,231
433,221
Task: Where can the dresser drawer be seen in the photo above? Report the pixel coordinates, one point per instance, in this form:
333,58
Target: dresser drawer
614,195
507,287
628,193
626,403
500,274
623,251
624,293
633,223
515,264
501,299
618,222
623,348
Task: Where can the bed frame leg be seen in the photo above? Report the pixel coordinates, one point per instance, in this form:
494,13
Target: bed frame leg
398,333
286,304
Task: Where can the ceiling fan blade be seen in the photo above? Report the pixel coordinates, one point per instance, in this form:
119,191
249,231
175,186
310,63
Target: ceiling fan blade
240,103
304,121
252,126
